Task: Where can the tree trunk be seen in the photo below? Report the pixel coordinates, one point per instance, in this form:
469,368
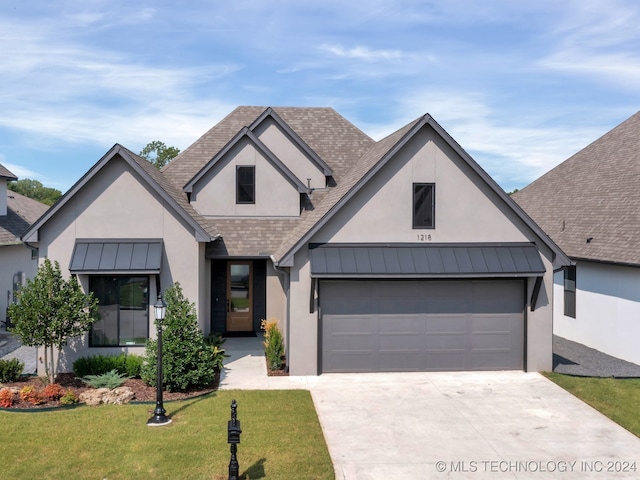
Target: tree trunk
53,367
46,362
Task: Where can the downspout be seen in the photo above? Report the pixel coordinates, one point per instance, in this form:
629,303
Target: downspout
286,279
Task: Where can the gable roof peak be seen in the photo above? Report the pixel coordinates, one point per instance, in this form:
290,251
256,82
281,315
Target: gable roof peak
6,174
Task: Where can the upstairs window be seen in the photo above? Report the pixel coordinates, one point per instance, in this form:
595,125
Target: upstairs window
570,291
246,184
424,205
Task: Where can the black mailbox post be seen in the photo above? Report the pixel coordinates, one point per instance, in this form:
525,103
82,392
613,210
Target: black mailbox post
233,438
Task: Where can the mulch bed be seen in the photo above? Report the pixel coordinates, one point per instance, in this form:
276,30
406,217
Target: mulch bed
281,372
142,391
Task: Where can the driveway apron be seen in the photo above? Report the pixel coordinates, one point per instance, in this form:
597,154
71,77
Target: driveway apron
462,425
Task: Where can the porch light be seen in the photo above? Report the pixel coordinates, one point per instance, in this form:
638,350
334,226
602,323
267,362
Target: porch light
159,414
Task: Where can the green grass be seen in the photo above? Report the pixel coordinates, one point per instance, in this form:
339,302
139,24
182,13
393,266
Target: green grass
618,399
281,439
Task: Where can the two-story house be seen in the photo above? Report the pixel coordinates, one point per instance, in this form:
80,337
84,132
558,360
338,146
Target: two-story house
395,255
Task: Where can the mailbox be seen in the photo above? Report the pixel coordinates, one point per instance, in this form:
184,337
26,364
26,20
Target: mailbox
233,427
234,431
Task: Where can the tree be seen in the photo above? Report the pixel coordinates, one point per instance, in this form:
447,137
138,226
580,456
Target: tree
187,360
158,153
34,189
51,310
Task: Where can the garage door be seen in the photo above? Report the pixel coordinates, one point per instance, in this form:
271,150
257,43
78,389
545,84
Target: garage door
387,326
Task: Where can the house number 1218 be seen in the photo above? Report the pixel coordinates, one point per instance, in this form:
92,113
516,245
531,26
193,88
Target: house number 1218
424,237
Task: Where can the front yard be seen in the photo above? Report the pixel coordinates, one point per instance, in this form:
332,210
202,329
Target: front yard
618,399
281,438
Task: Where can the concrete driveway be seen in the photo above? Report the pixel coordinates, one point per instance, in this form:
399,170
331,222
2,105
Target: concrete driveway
453,425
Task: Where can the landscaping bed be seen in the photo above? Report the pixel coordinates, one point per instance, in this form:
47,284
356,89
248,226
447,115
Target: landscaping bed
68,381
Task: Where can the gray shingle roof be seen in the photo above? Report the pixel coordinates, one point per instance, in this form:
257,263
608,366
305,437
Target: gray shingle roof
595,194
334,139
6,174
21,213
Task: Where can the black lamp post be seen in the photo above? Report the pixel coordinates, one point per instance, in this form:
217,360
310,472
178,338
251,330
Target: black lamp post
159,418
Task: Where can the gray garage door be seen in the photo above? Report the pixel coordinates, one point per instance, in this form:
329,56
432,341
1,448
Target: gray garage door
391,326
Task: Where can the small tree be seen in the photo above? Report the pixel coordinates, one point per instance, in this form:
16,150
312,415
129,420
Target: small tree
158,153
51,310
187,360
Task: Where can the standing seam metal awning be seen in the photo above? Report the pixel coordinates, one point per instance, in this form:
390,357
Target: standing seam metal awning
425,260
116,256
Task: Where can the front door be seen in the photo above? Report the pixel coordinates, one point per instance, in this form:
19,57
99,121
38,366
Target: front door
239,296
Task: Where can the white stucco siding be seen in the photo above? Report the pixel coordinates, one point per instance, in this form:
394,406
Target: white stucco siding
303,327
290,154
3,197
13,259
276,297
607,309
466,210
215,193
116,205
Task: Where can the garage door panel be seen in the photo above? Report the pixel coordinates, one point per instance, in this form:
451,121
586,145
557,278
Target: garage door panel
422,325
400,342
445,342
398,324
449,304
399,361
352,362
454,361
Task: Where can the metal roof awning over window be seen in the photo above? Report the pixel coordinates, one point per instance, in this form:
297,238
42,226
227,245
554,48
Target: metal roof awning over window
116,256
425,260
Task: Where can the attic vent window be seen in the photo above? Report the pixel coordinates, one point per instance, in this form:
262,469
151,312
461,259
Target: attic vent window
245,185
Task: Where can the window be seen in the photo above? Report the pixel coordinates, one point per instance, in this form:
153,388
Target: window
123,304
245,184
570,291
424,205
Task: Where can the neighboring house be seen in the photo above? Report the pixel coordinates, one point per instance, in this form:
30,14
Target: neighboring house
401,254
17,260
590,206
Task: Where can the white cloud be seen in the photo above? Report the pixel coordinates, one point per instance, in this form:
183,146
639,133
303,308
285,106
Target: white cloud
363,53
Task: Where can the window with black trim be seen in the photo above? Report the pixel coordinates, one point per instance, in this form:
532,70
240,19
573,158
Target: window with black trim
424,205
123,304
245,184
570,291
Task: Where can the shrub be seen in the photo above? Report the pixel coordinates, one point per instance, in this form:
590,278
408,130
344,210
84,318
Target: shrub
53,391
187,360
10,370
128,365
31,395
69,398
273,343
215,342
111,379
6,398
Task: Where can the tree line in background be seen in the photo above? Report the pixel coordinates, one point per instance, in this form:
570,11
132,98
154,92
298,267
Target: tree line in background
156,152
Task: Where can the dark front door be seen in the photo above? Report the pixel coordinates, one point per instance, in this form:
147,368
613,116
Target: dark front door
240,296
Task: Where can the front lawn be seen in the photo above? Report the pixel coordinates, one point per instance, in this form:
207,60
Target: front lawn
618,399
281,438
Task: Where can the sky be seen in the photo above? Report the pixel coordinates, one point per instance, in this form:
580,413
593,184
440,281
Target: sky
520,85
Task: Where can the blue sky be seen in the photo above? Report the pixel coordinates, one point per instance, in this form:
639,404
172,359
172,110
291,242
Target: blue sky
521,85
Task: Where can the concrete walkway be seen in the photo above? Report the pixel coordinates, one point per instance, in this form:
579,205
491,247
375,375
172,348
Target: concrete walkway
462,425
10,347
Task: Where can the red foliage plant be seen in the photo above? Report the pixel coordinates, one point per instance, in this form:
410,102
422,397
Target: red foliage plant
53,391
31,395
6,398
